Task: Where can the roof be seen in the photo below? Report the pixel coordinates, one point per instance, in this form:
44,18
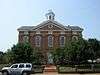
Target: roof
74,27
26,28
29,28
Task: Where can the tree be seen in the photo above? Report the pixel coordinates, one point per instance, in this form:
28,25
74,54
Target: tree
93,49
8,56
58,56
22,52
38,58
73,53
78,51
1,57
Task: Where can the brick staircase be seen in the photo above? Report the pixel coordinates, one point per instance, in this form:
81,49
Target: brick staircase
50,68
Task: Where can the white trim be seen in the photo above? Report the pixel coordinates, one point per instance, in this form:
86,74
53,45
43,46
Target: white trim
47,30
26,33
52,30
62,32
75,38
46,22
77,30
48,25
38,32
74,32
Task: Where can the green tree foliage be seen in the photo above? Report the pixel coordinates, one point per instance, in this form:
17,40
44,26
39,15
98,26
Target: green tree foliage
59,56
22,52
93,49
38,58
8,57
77,51
1,57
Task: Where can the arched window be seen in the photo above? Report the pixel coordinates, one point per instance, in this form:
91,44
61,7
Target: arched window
74,38
38,41
62,41
25,39
50,41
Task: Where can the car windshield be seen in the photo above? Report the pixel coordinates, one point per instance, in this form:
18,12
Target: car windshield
14,66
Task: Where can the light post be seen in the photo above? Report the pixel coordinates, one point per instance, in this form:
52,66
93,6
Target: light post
92,64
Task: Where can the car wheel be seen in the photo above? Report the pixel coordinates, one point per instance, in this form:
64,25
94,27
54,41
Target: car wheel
25,73
5,73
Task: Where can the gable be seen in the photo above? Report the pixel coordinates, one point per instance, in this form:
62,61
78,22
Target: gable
50,25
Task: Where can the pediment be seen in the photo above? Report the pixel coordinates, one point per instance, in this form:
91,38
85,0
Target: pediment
50,25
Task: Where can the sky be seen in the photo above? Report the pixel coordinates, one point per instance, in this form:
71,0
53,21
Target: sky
16,13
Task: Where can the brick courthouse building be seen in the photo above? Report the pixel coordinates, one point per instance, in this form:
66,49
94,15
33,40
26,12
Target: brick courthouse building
48,35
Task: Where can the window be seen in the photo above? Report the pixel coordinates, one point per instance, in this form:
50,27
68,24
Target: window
25,38
62,41
50,41
38,41
14,66
25,32
49,32
50,26
74,38
50,17
38,32
21,65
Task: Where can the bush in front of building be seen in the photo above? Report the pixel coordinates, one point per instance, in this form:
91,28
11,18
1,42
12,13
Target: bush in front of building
78,52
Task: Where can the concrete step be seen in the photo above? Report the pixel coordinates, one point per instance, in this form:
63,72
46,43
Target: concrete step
50,68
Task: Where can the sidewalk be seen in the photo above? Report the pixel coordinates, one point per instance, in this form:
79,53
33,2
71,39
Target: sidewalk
51,73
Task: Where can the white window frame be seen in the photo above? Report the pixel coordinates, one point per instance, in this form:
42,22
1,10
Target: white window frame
38,41
26,39
50,41
49,32
74,32
75,38
62,44
26,33
38,32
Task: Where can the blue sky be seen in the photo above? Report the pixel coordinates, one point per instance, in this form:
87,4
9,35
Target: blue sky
16,13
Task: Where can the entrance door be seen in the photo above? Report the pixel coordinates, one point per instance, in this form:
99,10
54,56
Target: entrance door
49,58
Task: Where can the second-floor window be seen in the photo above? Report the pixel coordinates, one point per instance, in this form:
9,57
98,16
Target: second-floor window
38,41
62,41
25,39
50,41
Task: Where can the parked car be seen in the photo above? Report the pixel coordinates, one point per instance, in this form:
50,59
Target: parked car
18,69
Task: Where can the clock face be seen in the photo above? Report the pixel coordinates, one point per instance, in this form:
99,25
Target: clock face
50,26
